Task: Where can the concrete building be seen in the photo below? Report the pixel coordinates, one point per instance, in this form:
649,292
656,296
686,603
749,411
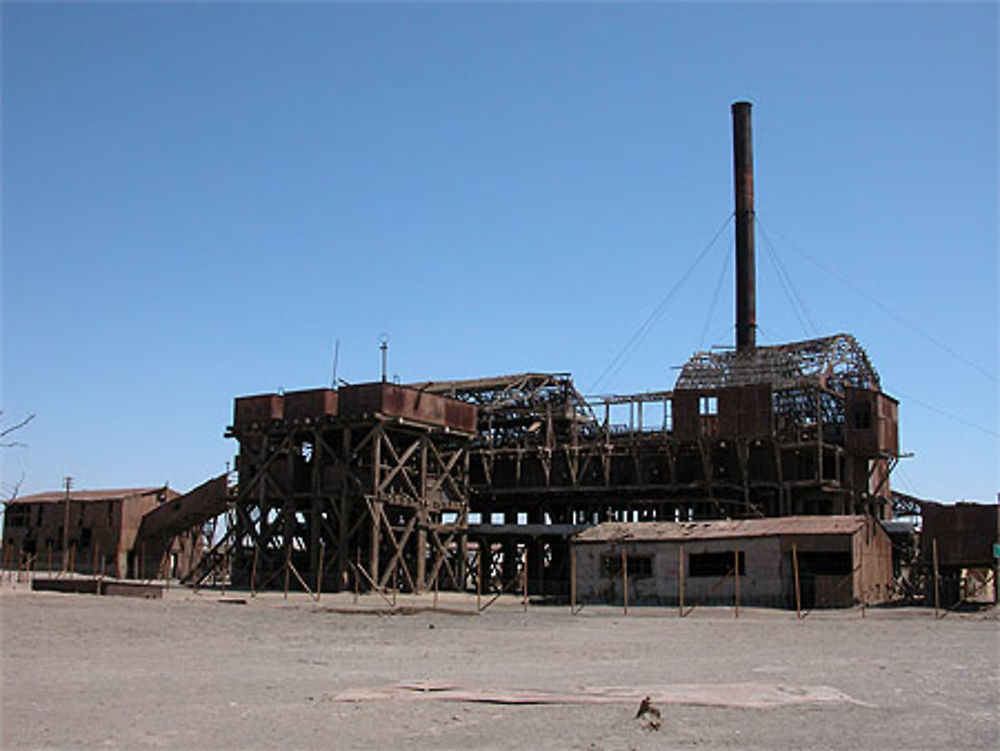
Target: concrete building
841,560
99,527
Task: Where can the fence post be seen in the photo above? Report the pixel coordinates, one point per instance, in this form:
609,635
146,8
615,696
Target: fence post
395,582
736,581
937,591
572,579
624,582
680,581
524,572
288,561
319,573
798,592
479,576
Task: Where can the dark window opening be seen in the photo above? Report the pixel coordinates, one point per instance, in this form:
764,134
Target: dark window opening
825,563
715,564
85,535
639,566
16,516
862,416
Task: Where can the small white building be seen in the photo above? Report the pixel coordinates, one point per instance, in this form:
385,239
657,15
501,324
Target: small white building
841,560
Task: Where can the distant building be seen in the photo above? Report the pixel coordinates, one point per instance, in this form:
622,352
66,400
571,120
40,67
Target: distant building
101,528
841,560
966,538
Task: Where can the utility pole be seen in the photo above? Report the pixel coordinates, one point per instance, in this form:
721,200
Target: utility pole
65,541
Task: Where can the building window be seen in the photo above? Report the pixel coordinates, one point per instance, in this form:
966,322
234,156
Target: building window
715,564
85,537
862,414
16,516
708,405
823,563
639,566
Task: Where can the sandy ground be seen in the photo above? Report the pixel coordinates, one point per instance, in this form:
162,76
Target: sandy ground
191,672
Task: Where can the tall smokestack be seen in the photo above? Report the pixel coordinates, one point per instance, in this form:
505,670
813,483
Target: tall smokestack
746,284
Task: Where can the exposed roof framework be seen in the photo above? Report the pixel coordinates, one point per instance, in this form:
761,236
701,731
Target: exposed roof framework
832,362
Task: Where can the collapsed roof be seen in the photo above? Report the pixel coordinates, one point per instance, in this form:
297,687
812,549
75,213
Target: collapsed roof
832,362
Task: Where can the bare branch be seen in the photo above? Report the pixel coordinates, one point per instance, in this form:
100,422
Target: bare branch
15,491
4,432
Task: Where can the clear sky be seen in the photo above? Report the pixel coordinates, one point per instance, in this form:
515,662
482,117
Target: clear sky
200,199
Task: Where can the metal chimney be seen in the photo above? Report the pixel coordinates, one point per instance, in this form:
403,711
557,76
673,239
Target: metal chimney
746,284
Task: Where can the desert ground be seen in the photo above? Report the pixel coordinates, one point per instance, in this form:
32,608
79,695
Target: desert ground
211,671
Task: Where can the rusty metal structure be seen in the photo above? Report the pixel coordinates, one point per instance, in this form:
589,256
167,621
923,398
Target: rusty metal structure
366,486
358,486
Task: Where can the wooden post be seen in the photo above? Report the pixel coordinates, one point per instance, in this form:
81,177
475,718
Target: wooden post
395,582
524,574
65,541
624,581
680,581
48,550
93,568
319,573
288,561
572,579
736,581
937,590
357,576
253,569
798,592
72,558
864,589
479,577
437,577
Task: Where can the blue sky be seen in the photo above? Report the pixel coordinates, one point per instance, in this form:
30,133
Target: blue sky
199,199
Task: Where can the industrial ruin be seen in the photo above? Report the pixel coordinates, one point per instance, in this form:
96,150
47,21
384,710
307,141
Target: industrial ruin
484,484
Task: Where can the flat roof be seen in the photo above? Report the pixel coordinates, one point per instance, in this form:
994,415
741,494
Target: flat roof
86,496
722,529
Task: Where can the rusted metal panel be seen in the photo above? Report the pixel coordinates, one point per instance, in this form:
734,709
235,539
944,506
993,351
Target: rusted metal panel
745,411
780,526
685,414
730,409
411,404
310,404
872,423
756,411
965,534
169,519
461,415
262,408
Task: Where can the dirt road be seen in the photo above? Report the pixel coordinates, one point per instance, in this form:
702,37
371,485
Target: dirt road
190,672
